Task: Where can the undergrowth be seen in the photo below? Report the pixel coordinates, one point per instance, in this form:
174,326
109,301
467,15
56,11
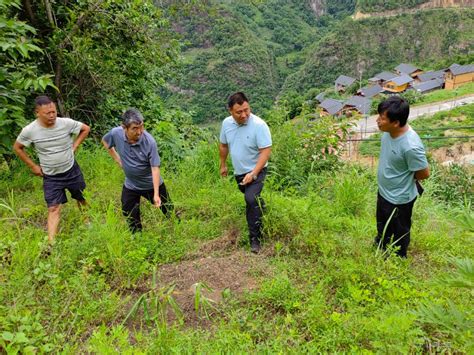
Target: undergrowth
327,291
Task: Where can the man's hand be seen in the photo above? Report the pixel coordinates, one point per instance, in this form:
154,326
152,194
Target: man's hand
224,170
248,179
156,200
36,169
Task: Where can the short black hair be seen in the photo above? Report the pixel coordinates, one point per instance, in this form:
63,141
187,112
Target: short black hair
236,98
396,109
132,115
42,100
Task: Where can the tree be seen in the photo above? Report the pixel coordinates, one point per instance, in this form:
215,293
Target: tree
19,76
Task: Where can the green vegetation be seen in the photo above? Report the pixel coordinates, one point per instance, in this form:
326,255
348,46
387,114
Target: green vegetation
378,44
382,5
318,286
442,95
432,127
322,286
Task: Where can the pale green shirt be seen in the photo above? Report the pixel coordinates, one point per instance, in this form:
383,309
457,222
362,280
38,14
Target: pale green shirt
400,158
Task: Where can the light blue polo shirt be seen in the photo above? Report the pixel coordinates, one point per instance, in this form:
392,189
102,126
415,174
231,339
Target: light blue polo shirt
244,141
137,158
400,158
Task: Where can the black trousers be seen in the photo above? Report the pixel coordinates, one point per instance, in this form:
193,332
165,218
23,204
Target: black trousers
397,228
254,203
131,205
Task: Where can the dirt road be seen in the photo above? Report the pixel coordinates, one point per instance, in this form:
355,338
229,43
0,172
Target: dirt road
367,126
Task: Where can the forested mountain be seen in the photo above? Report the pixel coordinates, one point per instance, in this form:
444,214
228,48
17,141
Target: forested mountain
276,48
377,44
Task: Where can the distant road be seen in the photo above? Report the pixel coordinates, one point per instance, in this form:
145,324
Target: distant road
366,126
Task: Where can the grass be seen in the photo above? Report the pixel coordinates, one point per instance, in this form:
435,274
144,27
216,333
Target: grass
434,126
327,291
442,95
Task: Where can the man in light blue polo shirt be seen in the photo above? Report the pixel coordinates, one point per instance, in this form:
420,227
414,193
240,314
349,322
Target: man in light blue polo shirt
248,139
136,152
402,163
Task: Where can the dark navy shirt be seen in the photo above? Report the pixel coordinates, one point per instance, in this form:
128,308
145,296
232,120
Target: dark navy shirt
137,159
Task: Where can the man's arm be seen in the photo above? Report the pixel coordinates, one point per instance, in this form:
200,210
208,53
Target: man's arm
223,152
113,153
19,150
83,133
263,157
155,174
422,174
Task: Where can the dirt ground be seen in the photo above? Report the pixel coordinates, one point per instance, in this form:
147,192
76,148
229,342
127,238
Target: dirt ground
202,282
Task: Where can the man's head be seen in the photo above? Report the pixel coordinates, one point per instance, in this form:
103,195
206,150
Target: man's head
239,107
393,113
132,123
45,110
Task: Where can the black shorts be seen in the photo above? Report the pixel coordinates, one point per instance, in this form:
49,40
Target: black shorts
54,186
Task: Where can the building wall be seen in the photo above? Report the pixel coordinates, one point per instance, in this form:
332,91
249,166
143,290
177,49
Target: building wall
455,81
392,87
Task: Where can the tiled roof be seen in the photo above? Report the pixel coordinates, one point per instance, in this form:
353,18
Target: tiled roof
345,80
428,85
406,68
430,75
360,103
371,91
402,79
331,106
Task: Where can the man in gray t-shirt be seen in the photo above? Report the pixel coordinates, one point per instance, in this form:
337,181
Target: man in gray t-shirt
402,164
135,151
54,142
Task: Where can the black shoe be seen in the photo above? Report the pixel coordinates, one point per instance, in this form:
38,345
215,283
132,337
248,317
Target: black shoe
255,246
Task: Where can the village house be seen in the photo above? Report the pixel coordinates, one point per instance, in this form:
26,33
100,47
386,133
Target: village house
430,75
457,75
427,86
331,107
398,83
320,97
408,69
358,104
370,91
382,78
343,82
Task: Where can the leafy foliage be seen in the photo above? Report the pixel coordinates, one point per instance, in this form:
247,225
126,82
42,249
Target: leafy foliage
378,44
381,5
18,73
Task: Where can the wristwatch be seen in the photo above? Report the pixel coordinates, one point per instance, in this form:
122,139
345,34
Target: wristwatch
254,177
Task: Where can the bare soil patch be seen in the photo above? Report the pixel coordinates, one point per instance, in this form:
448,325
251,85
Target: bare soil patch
219,268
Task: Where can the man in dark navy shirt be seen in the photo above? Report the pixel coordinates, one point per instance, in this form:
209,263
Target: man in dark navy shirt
135,150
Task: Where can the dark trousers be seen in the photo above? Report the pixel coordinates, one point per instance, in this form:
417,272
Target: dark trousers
397,228
254,203
131,205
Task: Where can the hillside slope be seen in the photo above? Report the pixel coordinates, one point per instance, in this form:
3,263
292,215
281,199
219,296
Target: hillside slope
378,44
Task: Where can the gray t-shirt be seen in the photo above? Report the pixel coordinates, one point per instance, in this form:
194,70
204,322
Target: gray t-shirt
137,159
52,144
399,159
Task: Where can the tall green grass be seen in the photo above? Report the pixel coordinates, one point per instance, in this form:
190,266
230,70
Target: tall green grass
324,290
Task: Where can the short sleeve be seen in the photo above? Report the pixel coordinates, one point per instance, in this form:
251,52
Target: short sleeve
264,137
73,126
416,159
154,157
222,137
109,139
24,137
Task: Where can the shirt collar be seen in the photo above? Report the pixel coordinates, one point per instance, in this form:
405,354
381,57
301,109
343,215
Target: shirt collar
126,139
241,124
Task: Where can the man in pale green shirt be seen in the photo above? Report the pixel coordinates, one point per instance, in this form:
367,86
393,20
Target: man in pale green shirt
402,163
